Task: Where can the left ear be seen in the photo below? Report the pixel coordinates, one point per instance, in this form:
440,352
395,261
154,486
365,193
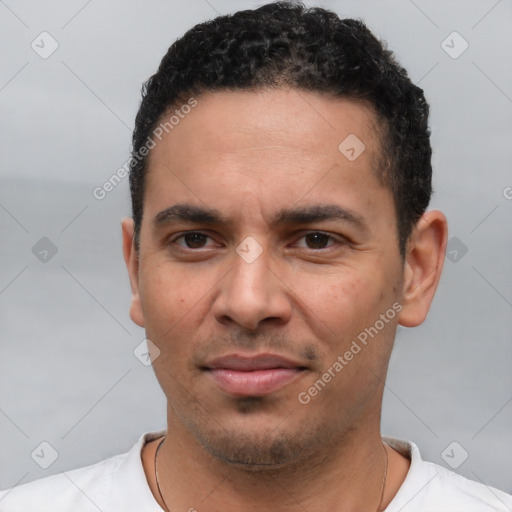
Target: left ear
424,260
131,258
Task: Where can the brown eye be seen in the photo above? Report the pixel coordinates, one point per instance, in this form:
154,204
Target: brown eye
316,240
192,240
195,240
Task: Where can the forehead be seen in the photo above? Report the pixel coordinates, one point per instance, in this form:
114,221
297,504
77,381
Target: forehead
258,147
303,121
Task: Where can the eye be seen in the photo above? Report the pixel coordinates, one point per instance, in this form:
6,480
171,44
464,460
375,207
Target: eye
192,240
317,240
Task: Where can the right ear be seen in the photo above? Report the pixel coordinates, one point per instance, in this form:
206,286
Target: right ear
131,258
426,250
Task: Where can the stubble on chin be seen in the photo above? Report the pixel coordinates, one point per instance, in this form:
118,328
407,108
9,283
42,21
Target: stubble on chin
286,446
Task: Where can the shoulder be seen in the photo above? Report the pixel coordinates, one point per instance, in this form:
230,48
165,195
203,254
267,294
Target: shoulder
104,486
429,486
80,489
446,487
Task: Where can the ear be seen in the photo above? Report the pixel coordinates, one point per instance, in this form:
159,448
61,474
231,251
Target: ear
131,259
424,260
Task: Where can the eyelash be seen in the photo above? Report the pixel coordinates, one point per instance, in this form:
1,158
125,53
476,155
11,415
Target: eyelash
173,241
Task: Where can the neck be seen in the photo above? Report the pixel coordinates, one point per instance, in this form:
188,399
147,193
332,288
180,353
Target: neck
345,477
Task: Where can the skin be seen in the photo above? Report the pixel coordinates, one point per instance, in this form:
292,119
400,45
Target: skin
248,155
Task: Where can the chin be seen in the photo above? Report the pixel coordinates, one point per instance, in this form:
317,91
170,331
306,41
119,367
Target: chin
253,452
262,443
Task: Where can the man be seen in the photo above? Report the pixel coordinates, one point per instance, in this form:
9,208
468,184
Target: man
280,179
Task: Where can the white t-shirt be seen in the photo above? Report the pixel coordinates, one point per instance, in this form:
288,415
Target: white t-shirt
119,484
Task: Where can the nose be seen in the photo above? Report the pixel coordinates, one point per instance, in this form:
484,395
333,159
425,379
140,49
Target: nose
252,293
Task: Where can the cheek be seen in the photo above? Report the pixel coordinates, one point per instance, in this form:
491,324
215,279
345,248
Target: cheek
169,298
345,302
171,304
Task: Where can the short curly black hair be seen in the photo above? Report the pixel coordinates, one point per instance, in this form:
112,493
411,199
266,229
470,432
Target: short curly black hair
285,44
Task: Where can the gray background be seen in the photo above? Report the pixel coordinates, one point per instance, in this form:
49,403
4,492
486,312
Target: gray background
68,375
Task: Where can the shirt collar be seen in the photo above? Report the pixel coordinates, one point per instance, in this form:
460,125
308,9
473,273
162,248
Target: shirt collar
420,474
131,489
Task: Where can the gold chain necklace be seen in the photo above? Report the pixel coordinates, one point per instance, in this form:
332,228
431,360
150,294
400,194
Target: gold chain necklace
167,508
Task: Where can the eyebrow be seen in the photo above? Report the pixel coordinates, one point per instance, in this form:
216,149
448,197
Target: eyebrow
300,215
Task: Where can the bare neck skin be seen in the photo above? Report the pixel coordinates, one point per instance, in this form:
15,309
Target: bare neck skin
346,479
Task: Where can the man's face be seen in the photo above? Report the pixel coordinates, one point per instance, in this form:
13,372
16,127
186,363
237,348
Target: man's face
251,310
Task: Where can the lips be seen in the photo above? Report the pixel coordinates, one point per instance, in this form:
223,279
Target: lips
257,375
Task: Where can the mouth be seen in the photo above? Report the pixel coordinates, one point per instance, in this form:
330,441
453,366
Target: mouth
254,376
